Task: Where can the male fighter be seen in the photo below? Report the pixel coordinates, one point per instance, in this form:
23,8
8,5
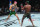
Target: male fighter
27,9
12,10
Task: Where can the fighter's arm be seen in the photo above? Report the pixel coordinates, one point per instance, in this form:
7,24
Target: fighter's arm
22,8
10,7
17,7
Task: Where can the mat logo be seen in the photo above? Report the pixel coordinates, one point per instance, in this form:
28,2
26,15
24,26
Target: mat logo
32,15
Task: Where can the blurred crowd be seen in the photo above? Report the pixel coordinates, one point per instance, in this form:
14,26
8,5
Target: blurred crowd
35,7
4,10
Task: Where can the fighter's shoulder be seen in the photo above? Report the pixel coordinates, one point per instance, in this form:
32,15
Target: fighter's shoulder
13,5
29,5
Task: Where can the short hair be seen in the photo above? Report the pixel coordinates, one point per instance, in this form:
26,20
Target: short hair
27,2
15,1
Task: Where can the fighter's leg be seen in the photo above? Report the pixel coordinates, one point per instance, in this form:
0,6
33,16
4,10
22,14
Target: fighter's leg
7,18
17,18
28,16
22,20
31,20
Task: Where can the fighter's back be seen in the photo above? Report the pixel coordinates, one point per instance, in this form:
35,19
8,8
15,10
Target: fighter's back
27,8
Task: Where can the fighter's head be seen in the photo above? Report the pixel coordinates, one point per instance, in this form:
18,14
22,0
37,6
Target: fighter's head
15,2
27,2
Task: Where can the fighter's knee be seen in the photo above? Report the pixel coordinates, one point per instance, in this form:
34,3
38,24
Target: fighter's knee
30,18
22,20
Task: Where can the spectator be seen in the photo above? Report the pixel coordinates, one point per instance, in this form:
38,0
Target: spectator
3,10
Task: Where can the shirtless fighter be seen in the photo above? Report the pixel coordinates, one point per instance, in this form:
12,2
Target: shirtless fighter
27,9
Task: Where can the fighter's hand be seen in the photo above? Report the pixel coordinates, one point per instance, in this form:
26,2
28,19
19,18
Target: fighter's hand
22,8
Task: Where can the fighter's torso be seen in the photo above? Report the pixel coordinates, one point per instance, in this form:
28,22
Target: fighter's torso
13,7
27,8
